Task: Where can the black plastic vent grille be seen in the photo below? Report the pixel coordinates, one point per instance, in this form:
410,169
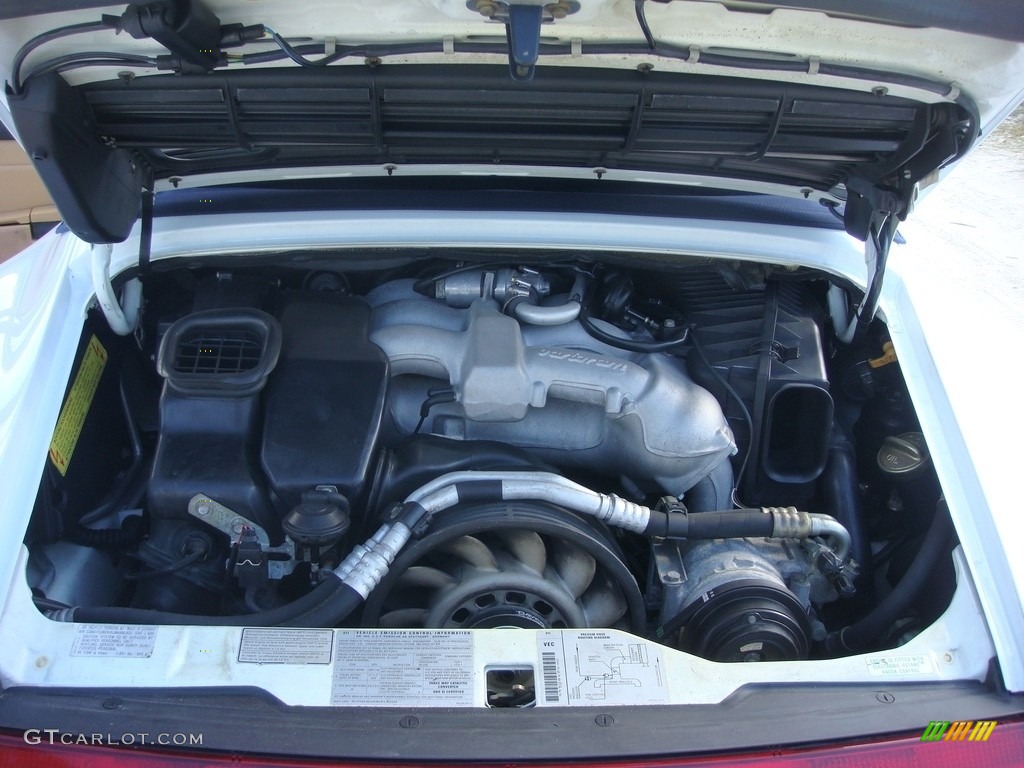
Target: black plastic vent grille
218,351
721,126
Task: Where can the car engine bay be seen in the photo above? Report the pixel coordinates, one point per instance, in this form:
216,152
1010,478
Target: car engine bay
474,441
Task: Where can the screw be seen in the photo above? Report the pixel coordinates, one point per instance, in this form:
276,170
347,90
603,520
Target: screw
879,91
237,525
409,721
947,657
126,77
645,67
486,8
203,509
885,698
672,577
558,10
604,720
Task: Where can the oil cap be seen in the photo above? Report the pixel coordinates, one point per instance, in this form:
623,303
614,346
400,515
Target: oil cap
904,456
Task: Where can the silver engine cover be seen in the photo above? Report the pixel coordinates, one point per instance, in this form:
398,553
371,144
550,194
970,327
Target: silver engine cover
554,390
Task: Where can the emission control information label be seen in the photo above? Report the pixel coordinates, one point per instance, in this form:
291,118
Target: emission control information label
378,668
597,668
285,646
119,641
892,666
76,407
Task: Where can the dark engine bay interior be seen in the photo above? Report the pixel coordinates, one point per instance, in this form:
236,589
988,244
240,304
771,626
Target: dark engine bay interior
475,441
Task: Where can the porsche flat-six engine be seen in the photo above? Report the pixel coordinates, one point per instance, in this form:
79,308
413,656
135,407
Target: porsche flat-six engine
464,445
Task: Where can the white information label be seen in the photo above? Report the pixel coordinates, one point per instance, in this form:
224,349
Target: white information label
895,666
403,669
285,646
120,641
586,668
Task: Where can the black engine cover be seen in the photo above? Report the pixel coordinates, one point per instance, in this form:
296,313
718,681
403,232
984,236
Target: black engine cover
324,403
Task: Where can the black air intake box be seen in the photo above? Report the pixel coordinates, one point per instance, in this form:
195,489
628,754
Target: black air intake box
325,401
215,363
766,343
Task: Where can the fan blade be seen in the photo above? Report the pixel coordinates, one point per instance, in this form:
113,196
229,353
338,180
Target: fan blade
473,551
526,546
603,603
402,618
575,567
424,576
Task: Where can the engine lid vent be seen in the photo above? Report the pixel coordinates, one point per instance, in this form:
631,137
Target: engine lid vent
220,352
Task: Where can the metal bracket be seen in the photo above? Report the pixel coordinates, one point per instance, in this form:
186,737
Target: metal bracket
523,33
217,516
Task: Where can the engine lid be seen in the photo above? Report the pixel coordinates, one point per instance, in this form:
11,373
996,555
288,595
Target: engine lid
842,102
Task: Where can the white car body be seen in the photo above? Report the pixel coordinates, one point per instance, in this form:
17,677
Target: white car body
966,415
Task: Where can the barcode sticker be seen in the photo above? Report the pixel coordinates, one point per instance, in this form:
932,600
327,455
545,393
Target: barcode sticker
552,676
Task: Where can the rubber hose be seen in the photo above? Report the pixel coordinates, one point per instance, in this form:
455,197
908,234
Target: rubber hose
866,633
842,499
731,524
714,491
628,344
545,315
327,605
127,536
131,476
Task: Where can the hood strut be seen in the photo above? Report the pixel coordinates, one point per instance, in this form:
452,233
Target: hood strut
872,215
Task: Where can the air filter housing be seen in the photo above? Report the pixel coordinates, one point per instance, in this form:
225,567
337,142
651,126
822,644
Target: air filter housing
215,364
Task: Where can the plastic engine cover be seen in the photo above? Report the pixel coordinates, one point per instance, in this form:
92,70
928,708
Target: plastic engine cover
325,401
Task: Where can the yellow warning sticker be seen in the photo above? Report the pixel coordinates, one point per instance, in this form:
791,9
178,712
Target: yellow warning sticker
76,407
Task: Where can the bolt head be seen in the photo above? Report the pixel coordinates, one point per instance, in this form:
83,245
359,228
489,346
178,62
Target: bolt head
486,8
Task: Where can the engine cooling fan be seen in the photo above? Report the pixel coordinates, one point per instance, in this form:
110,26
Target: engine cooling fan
518,564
